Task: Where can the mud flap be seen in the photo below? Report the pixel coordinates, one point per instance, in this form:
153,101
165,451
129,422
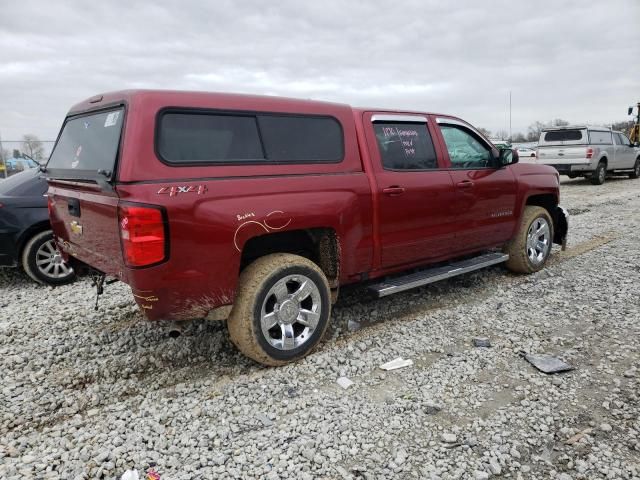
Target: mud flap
560,226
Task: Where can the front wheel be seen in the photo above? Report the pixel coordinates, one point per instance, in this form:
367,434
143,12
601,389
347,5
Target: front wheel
636,170
41,260
282,309
530,248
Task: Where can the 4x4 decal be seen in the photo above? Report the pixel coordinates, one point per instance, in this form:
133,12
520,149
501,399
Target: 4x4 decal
175,190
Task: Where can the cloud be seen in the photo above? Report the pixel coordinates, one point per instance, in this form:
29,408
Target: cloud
560,59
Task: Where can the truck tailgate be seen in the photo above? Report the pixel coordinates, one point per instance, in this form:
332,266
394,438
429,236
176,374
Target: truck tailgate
85,222
563,154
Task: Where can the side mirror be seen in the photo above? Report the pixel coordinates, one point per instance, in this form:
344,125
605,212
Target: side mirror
507,156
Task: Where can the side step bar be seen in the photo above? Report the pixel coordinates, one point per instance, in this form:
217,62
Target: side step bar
431,275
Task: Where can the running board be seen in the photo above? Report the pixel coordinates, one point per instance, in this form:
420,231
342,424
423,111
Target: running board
431,275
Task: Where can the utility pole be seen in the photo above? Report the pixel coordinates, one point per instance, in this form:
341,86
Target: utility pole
510,136
3,162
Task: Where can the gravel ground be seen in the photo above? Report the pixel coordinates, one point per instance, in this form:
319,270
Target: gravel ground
89,394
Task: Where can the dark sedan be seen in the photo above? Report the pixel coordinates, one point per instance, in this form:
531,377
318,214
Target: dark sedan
26,239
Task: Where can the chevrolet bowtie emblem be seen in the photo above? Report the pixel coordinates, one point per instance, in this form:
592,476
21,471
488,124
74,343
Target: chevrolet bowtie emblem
76,228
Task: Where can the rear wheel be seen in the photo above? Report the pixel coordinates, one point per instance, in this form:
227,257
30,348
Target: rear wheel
530,248
42,261
636,170
599,174
282,309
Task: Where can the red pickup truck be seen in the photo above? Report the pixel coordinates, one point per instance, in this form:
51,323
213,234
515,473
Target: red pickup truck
257,209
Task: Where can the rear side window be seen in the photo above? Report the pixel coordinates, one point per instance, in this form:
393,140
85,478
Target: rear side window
304,139
210,138
197,138
563,136
599,138
621,139
405,146
87,143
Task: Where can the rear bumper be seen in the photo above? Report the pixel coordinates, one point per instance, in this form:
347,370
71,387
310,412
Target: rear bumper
8,250
566,168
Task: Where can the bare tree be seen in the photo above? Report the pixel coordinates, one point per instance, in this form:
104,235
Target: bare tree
502,134
534,131
519,138
558,122
32,146
485,132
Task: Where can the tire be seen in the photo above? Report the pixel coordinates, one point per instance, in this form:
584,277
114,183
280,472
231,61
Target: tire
636,170
525,256
261,294
599,174
41,260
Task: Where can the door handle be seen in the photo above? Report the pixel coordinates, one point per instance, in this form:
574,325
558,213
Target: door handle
73,205
465,184
393,191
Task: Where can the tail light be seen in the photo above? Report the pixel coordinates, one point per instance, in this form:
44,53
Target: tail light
589,152
50,204
143,235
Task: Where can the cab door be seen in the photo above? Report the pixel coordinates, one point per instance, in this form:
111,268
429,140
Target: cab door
624,153
413,193
485,202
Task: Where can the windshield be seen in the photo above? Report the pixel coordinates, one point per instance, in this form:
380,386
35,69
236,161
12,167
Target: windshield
87,144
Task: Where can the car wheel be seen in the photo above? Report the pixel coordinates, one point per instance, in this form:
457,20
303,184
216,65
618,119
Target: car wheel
530,248
636,170
41,260
282,309
599,174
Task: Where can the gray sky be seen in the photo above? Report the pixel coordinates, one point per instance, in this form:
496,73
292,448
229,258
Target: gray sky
578,60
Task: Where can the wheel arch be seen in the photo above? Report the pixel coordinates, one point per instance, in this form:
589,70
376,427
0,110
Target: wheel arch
28,233
559,216
321,245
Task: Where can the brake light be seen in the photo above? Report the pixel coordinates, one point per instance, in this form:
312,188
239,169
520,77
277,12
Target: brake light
50,204
589,152
143,235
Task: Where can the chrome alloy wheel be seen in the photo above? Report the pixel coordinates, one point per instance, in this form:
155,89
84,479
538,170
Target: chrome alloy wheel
538,241
50,262
290,312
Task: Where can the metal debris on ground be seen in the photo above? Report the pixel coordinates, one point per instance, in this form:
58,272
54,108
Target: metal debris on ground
481,342
151,474
395,364
344,382
547,363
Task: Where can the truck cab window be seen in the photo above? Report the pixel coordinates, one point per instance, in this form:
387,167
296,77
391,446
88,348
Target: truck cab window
465,150
405,146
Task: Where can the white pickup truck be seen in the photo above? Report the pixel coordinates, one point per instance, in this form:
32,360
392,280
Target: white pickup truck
590,152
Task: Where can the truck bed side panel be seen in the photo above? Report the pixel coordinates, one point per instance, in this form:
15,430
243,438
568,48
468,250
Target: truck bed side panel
209,230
